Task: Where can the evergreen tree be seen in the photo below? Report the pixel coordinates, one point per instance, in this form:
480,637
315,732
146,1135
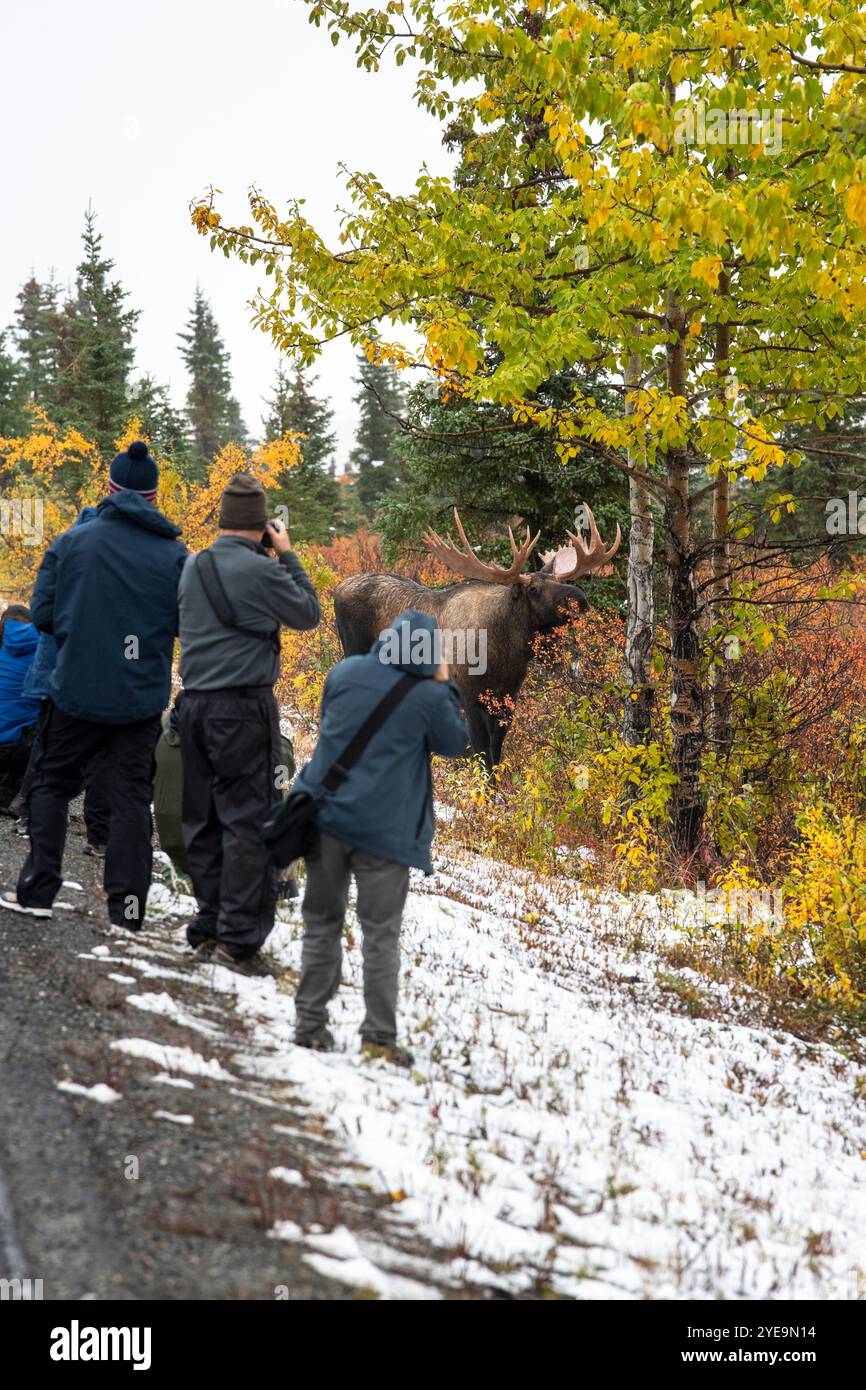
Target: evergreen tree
13,393
37,320
377,453
95,348
833,465
309,491
213,415
476,457
163,424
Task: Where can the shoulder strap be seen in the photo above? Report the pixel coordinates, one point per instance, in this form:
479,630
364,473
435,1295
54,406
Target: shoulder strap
208,573
339,771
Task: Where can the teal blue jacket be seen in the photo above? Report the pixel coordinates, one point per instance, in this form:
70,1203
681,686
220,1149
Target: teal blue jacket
385,805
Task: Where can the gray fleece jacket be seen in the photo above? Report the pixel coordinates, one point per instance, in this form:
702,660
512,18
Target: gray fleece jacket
264,594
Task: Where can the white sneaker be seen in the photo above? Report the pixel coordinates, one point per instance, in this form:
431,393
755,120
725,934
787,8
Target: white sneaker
10,900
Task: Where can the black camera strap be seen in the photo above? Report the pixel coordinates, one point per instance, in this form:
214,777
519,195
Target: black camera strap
339,771
211,581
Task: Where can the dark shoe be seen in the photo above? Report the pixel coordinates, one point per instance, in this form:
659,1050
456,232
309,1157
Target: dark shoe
387,1052
200,930
22,827
10,901
95,849
320,1041
204,949
256,967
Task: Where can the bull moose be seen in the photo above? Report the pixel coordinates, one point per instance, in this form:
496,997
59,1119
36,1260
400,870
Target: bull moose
509,606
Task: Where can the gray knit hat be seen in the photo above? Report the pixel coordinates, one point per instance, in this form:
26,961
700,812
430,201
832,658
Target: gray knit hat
243,505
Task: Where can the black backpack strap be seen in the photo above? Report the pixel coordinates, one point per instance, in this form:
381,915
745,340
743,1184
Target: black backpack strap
339,771
211,582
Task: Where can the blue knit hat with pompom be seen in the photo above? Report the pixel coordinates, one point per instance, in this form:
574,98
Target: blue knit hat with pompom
134,471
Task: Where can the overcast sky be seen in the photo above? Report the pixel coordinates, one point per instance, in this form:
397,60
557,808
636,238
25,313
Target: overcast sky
137,108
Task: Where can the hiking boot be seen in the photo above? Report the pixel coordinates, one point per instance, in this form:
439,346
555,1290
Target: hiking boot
205,949
320,1041
199,930
387,1052
94,849
10,901
256,967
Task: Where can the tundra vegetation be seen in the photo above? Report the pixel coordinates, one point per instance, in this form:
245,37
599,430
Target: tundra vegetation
620,298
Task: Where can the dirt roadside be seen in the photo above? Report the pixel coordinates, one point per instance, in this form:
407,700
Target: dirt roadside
120,1200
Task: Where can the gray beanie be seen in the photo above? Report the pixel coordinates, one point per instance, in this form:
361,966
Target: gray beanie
243,505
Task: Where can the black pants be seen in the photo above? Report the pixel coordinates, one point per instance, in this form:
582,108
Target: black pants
69,746
13,766
97,799
230,749
97,802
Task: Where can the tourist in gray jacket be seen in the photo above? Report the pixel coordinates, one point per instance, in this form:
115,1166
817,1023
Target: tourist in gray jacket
233,600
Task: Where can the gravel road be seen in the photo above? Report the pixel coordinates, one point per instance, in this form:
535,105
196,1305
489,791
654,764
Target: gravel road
106,1200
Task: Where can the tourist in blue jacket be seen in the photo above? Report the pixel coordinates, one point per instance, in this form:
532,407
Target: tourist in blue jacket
376,825
107,593
18,715
97,810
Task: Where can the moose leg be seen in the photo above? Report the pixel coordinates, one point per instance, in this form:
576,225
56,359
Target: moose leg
479,735
498,725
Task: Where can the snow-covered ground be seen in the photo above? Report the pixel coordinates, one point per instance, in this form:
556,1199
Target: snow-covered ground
562,1128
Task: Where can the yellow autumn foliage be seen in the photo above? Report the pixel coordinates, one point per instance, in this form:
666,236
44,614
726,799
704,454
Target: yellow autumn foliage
51,473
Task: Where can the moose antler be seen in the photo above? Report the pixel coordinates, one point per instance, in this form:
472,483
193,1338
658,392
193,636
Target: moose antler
578,559
467,563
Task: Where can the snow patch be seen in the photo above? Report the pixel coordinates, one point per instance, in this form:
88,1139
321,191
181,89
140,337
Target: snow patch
101,1093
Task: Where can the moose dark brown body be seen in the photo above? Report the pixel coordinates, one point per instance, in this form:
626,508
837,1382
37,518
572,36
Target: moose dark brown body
510,618
509,607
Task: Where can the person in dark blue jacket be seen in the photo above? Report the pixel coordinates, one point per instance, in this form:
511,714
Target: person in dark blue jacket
376,825
107,593
18,715
97,809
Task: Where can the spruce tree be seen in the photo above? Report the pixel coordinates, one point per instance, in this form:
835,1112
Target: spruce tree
213,415
377,453
37,319
162,424
95,350
309,491
13,394
476,456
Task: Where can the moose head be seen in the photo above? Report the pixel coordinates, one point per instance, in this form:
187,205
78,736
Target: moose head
548,594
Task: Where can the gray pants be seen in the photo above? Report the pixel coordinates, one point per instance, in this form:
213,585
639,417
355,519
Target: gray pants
382,889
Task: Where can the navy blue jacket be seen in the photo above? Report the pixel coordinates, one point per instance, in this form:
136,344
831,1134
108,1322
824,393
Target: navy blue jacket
37,682
107,592
385,805
16,658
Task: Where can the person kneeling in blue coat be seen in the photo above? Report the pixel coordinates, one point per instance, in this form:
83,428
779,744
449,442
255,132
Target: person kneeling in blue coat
377,824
